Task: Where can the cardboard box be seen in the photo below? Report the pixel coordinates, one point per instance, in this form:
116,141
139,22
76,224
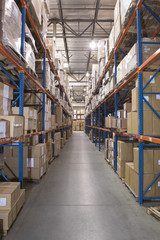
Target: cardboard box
125,151
37,150
156,157
156,125
34,140
128,166
135,101
53,122
122,123
157,186
7,197
5,107
148,162
120,168
16,125
4,128
127,107
129,122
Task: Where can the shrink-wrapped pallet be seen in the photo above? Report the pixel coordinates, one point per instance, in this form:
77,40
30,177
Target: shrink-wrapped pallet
10,27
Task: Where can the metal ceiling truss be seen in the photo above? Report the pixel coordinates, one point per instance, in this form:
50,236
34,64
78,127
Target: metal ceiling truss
75,78
93,30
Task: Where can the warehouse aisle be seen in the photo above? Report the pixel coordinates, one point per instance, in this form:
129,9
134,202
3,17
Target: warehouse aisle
81,198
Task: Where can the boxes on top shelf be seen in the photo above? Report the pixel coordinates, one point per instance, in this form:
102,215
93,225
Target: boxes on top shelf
117,21
111,40
35,7
10,11
47,5
127,8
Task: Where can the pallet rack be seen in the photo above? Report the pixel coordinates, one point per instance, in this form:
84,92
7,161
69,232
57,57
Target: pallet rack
20,68
95,114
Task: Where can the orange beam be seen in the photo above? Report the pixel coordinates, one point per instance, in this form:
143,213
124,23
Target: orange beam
149,60
8,84
156,32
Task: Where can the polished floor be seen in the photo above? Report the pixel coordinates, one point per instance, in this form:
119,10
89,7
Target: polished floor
81,198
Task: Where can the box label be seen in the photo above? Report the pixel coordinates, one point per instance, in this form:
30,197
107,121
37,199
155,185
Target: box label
30,162
2,202
157,96
153,80
158,162
158,183
147,98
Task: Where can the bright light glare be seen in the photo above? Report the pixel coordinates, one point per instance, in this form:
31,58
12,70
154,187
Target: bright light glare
65,65
87,74
92,45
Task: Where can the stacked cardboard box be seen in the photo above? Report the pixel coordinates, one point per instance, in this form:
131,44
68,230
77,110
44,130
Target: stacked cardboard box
58,114
12,199
110,150
127,8
151,168
150,120
36,161
57,143
11,162
14,127
125,154
6,95
30,115
117,21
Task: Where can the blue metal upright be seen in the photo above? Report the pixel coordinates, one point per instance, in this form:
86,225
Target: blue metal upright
53,132
116,108
44,96
140,95
95,128
21,93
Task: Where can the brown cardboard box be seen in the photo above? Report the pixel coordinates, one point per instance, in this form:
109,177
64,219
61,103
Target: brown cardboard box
114,123
156,156
120,113
34,140
58,114
16,125
127,107
4,128
14,185
156,98
129,122
53,122
147,123
122,123
147,179
108,121
135,98
7,219
37,150
35,162
128,166
156,124
7,197
157,186
120,168
125,151
148,162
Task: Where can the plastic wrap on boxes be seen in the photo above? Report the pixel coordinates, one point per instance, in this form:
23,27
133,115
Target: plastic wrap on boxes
47,5
101,48
44,22
117,10
10,31
50,45
35,7
127,8
111,40
48,76
29,39
29,56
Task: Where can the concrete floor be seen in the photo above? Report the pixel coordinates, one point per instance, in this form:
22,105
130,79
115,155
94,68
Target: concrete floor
81,198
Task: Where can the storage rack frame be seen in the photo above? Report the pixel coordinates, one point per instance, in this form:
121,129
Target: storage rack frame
139,72
20,90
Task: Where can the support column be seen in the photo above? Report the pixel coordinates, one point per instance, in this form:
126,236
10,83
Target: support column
116,108
140,95
53,132
21,93
44,96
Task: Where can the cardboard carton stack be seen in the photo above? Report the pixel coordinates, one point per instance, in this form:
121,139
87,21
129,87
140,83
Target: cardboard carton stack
127,8
57,143
125,154
36,161
58,114
30,115
49,147
12,199
14,125
151,168
6,95
117,21
150,120
110,151
11,162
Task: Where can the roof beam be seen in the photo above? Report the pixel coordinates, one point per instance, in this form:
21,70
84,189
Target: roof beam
63,30
57,20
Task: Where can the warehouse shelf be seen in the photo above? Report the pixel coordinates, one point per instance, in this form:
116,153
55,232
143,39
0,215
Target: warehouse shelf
110,103
17,62
24,5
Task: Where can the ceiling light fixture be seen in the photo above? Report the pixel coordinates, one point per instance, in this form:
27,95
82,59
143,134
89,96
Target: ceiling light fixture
87,74
93,45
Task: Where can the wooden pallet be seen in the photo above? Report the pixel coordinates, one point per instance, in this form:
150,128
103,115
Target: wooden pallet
154,212
30,131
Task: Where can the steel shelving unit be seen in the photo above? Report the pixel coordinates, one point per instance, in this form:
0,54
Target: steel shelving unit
20,89
118,87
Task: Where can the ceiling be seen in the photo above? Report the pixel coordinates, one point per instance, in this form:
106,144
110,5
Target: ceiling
78,22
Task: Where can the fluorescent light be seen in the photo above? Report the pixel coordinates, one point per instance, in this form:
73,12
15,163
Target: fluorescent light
87,74
65,65
93,45
54,38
